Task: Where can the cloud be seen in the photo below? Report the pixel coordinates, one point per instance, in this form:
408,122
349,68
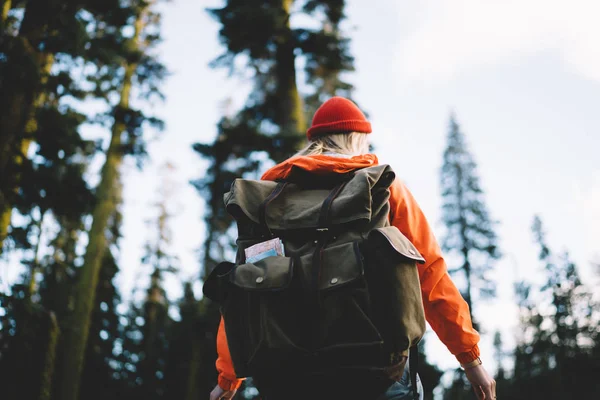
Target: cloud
450,36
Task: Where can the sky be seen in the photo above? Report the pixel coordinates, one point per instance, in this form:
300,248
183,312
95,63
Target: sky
522,78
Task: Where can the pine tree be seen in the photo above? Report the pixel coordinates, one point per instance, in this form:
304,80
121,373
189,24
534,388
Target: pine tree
501,378
469,229
157,323
134,66
568,324
186,372
554,357
499,356
154,342
129,351
41,44
98,377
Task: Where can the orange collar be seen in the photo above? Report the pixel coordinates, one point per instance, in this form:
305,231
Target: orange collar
320,164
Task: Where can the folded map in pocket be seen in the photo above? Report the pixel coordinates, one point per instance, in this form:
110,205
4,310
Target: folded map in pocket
273,247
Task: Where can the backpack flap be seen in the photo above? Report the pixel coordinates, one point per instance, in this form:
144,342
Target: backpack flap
295,208
298,207
342,264
272,273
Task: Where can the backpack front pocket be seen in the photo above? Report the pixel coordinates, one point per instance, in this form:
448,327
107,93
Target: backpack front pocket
268,312
343,332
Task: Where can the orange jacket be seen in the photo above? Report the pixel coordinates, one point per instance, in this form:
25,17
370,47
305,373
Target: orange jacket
445,309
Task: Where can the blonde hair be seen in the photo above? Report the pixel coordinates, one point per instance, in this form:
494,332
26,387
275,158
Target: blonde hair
349,143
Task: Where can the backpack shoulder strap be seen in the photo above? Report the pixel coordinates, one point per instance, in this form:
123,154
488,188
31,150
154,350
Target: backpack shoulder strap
413,366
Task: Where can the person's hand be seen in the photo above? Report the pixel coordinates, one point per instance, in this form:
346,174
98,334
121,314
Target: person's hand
219,393
483,384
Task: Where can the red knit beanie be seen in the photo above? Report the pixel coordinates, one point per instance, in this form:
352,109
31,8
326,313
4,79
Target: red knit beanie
338,115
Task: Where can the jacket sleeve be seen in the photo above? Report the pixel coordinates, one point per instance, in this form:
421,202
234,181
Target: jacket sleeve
445,309
227,379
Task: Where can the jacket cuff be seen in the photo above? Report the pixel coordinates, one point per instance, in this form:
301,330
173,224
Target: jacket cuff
468,356
227,384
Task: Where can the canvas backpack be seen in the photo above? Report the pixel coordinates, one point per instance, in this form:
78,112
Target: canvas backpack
345,296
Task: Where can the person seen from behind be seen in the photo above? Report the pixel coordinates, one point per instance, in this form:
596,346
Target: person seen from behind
338,142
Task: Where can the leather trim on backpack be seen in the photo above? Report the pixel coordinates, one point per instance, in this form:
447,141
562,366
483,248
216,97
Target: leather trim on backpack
399,242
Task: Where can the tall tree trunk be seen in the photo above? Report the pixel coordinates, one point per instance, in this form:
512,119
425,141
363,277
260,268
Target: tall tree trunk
77,328
155,313
292,120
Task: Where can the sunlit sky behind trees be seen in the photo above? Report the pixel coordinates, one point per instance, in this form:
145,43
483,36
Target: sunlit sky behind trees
521,77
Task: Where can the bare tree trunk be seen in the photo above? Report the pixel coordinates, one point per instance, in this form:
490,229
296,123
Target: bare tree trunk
77,327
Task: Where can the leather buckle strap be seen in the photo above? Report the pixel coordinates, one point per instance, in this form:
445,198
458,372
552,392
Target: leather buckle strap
325,213
325,233
262,209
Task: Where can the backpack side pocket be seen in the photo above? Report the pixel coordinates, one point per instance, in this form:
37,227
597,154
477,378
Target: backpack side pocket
395,290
